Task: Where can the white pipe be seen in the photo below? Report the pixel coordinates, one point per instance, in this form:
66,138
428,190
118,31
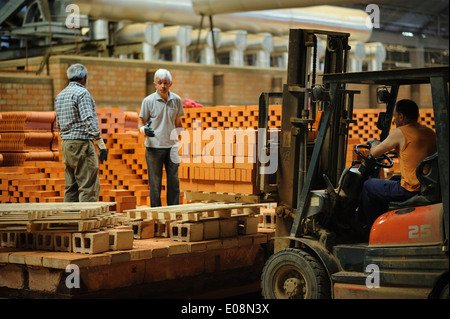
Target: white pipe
178,38
149,52
100,30
206,44
206,37
175,35
259,42
375,55
140,32
260,45
234,43
356,56
277,22
233,40
212,7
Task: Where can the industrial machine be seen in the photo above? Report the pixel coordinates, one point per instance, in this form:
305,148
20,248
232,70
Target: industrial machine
318,253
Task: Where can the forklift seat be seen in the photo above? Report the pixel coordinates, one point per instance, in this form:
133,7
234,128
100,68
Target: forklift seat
427,173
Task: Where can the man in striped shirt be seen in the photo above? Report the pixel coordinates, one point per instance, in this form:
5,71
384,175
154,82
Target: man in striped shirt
77,123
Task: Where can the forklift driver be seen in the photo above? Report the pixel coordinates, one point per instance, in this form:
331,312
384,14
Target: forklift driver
413,143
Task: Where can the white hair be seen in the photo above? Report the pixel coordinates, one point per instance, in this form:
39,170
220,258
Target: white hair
76,72
163,74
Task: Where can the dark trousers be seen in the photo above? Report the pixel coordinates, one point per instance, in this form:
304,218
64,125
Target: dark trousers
157,158
376,195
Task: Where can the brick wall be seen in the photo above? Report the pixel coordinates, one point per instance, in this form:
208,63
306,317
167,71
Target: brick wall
125,83
21,92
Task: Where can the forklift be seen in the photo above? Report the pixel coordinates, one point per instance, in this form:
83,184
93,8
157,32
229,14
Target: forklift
318,253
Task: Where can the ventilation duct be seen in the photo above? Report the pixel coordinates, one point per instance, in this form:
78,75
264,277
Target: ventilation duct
204,43
356,56
260,46
211,7
375,55
277,22
234,43
178,38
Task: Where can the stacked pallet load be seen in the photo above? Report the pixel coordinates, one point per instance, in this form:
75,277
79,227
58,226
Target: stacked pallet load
195,222
87,228
219,150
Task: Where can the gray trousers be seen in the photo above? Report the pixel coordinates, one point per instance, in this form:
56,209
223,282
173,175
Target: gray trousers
81,171
156,158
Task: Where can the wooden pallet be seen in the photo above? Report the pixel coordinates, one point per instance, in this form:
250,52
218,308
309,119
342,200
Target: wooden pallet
73,227
193,212
221,197
193,222
56,216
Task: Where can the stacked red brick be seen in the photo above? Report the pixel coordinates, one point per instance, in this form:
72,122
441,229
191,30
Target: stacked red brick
212,163
366,129
28,137
27,177
24,179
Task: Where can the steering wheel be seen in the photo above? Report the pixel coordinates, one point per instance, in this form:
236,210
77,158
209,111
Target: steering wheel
376,161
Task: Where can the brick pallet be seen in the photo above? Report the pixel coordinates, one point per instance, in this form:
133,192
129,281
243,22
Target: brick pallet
72,227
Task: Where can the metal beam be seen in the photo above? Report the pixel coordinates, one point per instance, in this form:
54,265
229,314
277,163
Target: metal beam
11,8
439,92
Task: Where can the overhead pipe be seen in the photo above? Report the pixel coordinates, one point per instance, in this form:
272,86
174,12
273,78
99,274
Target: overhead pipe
280,51
234,43
203,42
146,33
212,7
140,32
277,22
100,29
178,38
356,56
261,45
375,56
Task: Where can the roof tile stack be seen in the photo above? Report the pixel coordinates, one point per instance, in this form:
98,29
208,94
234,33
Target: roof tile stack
27,136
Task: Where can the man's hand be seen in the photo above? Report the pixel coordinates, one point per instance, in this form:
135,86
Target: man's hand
147,130
103,157
373,143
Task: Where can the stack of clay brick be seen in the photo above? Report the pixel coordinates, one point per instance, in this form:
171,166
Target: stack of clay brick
366,129
87,228
32,168
29,149
221,151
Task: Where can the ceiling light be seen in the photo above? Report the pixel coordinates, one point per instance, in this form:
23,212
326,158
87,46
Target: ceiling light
407,34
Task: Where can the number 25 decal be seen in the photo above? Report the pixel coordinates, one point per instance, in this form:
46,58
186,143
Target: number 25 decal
419,231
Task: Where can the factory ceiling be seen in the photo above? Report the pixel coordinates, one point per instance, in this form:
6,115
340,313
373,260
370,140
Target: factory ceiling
415,22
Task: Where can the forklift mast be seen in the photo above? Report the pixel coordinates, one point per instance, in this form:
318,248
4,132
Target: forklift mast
299,111
302,164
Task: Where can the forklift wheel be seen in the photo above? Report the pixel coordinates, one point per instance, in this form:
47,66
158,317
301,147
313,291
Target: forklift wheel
294,274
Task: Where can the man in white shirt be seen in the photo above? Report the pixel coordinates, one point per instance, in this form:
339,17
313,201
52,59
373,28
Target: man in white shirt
160,114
